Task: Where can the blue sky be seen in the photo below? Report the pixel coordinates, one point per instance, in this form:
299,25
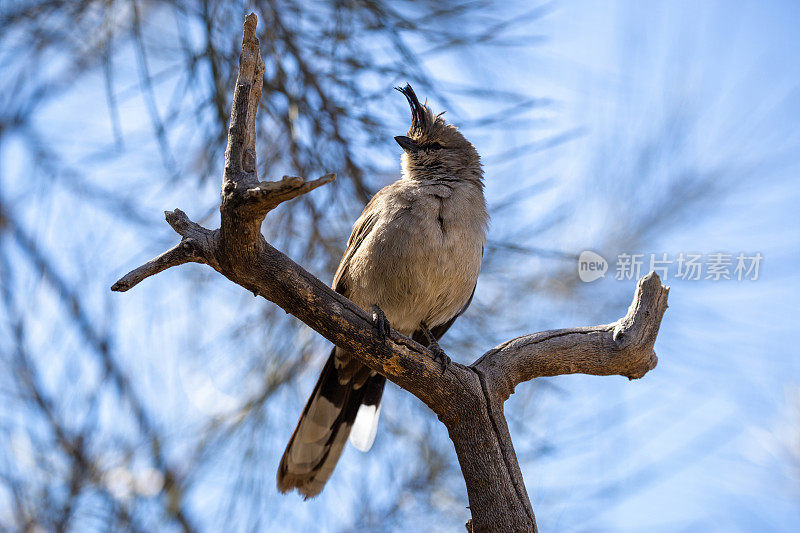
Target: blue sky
645,100
711,436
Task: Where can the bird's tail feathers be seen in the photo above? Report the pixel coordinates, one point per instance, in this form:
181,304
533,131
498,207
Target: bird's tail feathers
323,428
365,427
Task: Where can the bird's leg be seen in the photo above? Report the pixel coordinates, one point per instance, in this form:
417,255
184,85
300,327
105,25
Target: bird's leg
433,345
381,323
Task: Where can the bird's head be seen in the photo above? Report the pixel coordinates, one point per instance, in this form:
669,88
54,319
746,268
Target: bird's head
434,149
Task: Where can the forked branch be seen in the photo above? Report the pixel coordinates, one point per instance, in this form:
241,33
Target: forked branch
623,348
468,400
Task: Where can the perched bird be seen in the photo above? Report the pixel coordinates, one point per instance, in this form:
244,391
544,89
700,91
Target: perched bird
413,258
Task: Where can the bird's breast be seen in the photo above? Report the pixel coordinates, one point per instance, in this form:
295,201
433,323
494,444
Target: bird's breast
421,261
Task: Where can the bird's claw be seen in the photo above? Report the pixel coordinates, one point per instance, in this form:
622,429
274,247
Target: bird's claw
433,346
439,355
381,323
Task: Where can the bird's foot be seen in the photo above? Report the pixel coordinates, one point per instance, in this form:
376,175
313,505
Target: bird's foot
439,355
381,323
433,346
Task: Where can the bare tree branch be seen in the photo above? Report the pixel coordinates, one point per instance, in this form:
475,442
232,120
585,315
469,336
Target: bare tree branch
196,240
624,347
468,400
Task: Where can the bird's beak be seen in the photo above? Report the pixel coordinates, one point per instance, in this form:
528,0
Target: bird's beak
406,143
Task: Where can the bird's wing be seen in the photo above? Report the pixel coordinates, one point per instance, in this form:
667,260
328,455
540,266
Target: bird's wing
349,368
361,229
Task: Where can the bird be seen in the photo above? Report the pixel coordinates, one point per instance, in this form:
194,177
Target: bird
413,258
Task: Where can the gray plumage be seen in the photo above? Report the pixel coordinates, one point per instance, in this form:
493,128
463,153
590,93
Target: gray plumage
416,252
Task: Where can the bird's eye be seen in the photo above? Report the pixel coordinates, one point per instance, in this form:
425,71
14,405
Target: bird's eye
434,146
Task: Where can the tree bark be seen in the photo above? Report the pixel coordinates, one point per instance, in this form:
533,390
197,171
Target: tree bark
467,399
